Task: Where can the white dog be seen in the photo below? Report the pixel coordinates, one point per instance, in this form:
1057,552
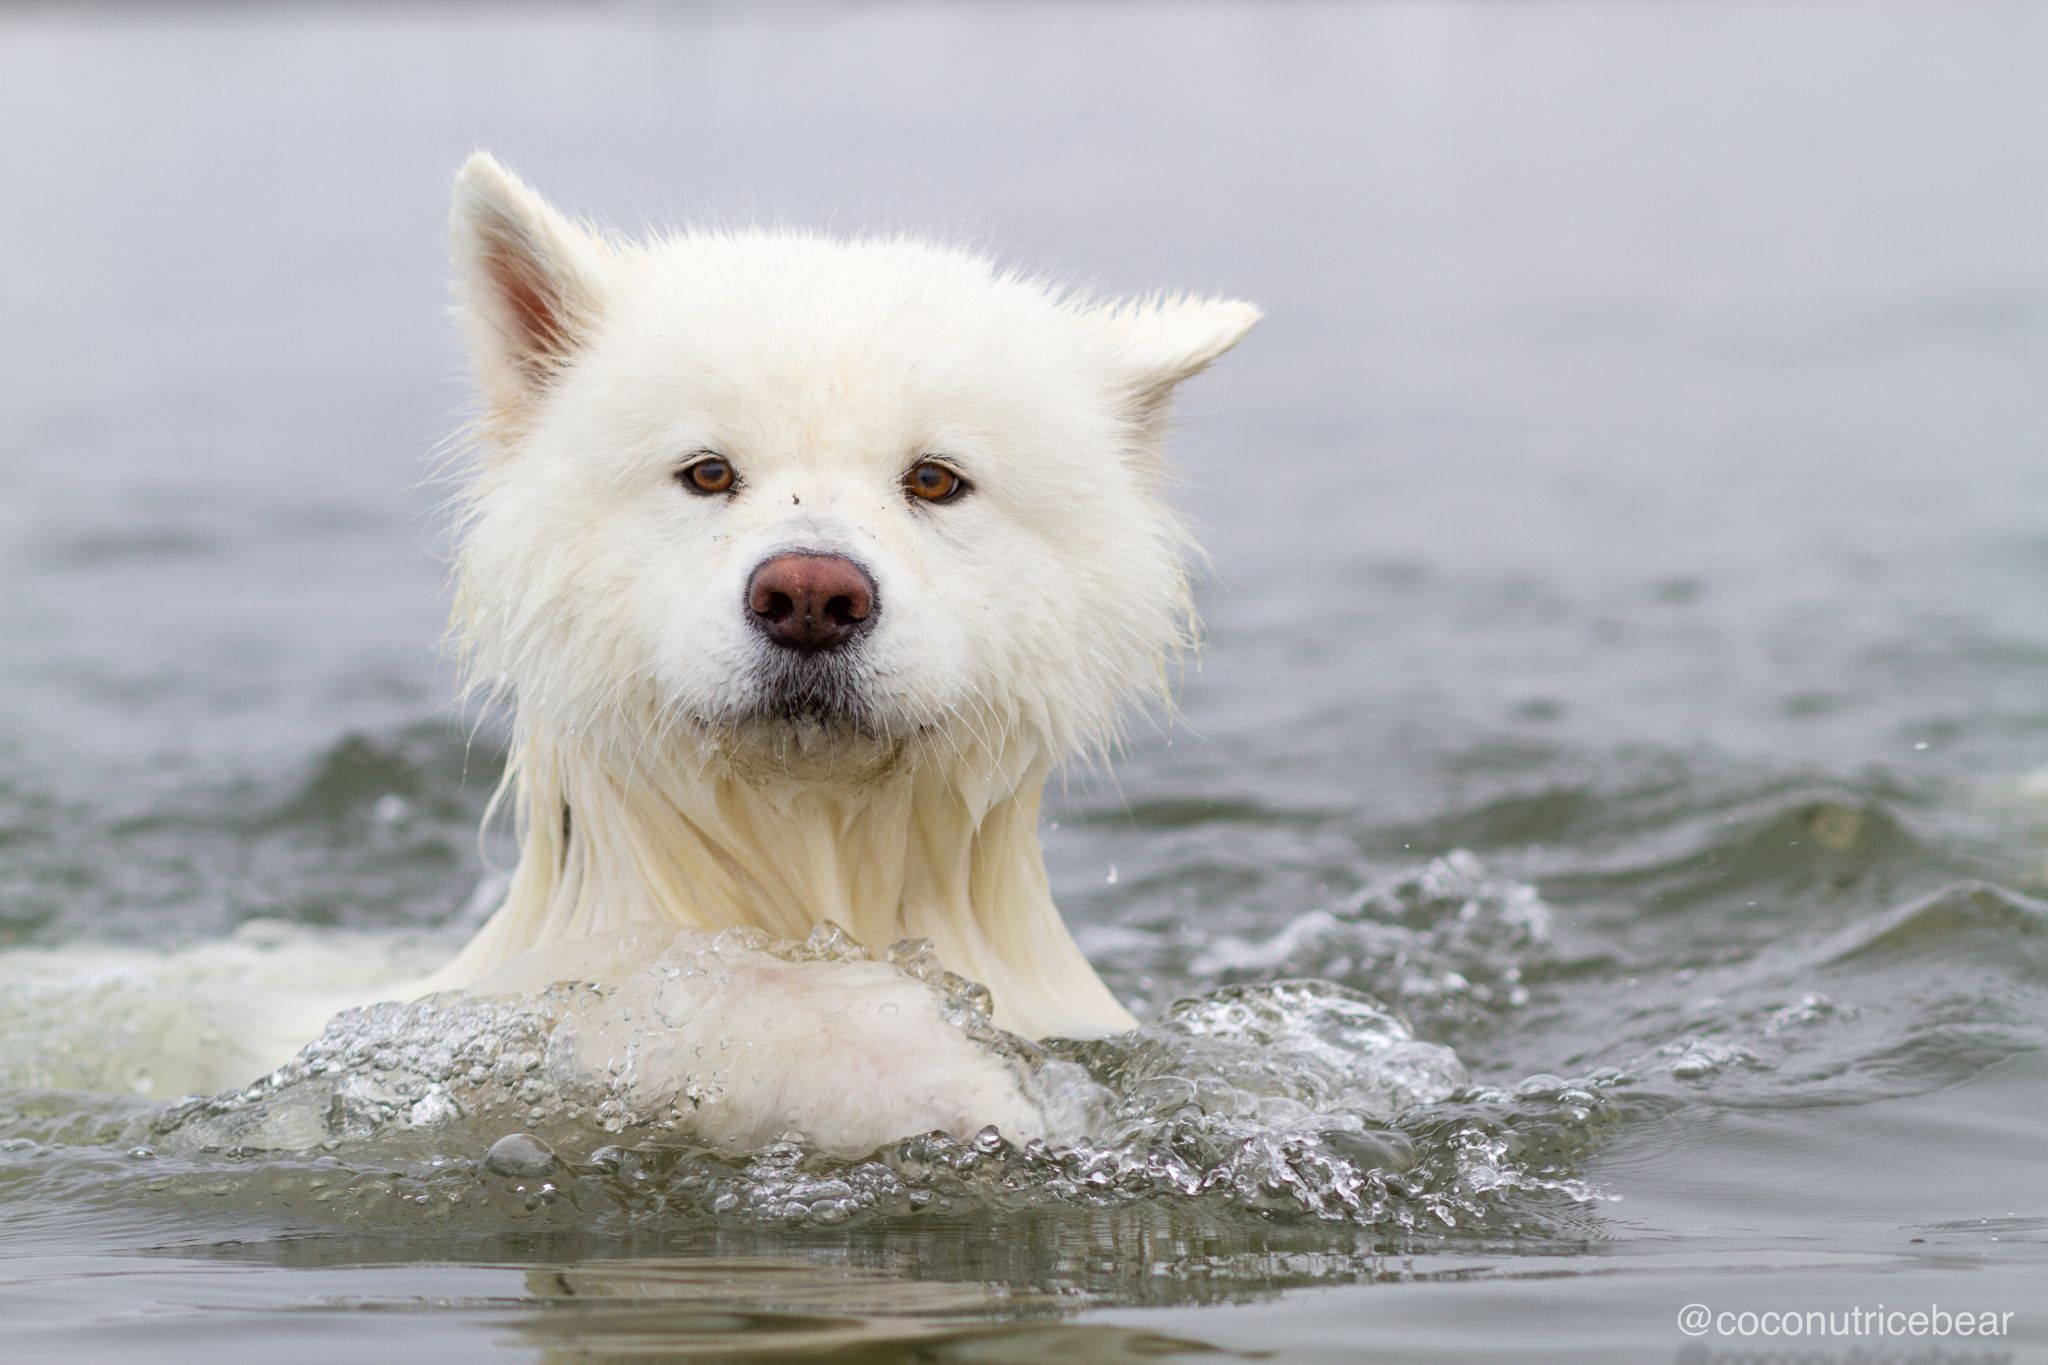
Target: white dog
802,562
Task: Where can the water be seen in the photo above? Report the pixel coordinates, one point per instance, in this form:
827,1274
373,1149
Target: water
1600,848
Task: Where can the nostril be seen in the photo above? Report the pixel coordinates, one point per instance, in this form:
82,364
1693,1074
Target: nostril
811,601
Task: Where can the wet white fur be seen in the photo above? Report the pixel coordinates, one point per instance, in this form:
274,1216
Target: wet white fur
604,601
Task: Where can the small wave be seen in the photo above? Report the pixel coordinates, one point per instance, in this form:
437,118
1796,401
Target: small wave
369,830
1791,841
1976,919
1901,1002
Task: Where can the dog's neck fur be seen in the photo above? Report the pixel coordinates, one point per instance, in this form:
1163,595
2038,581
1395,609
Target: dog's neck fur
940,849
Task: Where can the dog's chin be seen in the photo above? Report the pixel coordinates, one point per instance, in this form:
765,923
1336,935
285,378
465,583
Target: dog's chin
806,716
809,747
825,695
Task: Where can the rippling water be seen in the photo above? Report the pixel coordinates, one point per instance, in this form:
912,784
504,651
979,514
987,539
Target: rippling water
1602,866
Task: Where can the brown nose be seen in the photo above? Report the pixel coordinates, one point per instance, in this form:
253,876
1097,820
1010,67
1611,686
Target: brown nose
811,602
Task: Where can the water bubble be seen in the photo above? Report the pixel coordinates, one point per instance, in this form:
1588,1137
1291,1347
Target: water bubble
1694,1058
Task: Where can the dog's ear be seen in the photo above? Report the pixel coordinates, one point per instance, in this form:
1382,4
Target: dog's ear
528,285
1151,345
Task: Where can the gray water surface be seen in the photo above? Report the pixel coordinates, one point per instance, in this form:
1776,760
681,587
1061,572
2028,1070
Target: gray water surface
1628,651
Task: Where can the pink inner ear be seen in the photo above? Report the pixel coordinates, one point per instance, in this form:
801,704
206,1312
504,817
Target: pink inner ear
533,305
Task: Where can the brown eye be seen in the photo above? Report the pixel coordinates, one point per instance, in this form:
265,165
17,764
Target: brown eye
933,482
712,475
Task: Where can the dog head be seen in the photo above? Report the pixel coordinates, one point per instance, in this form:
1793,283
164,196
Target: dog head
747,487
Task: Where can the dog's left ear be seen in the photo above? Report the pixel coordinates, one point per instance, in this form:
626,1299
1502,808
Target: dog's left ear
1151,345
528,285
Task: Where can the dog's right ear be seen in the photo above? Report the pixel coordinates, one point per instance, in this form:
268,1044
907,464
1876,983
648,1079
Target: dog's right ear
1151,345
528,286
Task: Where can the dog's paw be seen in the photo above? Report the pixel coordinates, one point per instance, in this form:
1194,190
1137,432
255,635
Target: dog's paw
848,1054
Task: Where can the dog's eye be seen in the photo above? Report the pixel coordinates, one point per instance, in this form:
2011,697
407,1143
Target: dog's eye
933,482
712,474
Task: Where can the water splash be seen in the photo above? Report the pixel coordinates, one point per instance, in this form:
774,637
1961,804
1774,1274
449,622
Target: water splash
650,1034
1296,1098
1446,942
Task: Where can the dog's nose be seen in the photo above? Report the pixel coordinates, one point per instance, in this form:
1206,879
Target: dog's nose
811,602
